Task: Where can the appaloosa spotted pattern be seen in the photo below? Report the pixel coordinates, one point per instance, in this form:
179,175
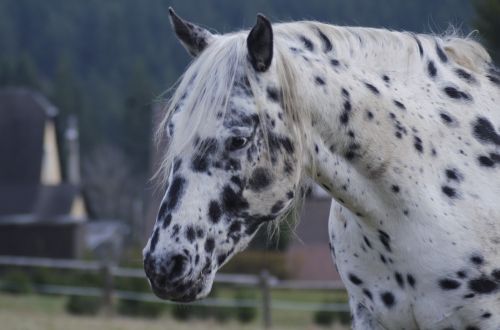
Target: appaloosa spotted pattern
402,130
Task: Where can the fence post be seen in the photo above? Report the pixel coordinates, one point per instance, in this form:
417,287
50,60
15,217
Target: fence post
107,288
266,298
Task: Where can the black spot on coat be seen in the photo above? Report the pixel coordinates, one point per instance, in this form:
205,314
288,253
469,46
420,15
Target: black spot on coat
221,258
483,285
367,242
307,43
388,299
273,94
260,179
485,132
201,158
431,69
447,119
233,202
167,221
456,94
441,54
154,240
327,45
385,239
489,161
190,234
399,279
276,142
399,105
372,88
418,144
214,212
453,174
209,245
411,280
477,259
465,75
175,192
177,165
448,284
448,191
278,206
355,280
319,81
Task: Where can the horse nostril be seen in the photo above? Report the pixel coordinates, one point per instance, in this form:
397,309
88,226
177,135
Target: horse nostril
163,272
149,266
175,266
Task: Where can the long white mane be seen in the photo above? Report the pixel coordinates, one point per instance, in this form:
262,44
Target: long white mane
203,90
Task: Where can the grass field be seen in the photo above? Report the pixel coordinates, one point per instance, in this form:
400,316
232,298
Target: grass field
27,312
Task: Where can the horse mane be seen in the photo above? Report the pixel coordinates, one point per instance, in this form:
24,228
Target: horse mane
205,87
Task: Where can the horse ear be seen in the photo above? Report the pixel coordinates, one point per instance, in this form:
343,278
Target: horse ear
194,38
260,44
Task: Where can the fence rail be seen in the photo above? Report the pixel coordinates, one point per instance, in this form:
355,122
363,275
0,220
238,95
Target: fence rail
264,282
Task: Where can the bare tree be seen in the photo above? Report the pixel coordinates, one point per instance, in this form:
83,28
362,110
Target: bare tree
109,184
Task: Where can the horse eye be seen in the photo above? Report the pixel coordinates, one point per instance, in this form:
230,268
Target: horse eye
237,142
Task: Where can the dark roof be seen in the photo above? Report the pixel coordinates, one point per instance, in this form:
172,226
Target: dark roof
22,120
42,202
23,114
17,199
54,200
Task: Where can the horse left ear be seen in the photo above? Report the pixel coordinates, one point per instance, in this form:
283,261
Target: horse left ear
260,44
194,38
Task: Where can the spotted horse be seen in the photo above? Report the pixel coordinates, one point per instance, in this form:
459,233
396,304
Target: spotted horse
401,129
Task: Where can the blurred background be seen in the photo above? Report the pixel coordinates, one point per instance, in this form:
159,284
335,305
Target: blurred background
82,84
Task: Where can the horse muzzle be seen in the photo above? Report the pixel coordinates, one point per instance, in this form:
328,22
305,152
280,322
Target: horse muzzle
171,278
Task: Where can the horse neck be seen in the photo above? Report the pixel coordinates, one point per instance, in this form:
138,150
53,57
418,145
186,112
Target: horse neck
342,93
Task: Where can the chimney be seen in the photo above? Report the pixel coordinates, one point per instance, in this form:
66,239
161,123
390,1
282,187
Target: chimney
73,151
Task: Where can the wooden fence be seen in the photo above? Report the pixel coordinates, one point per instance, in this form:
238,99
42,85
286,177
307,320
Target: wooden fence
265,282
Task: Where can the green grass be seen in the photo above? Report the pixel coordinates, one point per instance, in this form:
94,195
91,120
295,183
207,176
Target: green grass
32,303
294,318
38,312
303,296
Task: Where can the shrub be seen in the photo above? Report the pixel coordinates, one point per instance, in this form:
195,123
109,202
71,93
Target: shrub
17,282
81,305
245,314
252,262
140,308
222,314
182,312
202,312
344,318
324,318
132,284
65,277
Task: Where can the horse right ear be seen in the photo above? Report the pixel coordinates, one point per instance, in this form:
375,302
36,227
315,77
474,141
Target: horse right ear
194,38
260,44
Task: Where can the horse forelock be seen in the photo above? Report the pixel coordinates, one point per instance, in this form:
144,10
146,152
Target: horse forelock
203,92
201,97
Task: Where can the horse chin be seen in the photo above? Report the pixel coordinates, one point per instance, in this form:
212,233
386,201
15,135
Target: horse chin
185,293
